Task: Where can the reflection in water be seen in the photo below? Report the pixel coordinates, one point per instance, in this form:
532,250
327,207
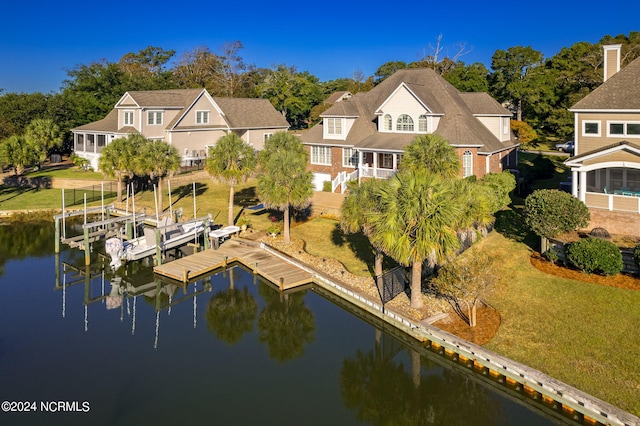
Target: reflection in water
286,324
231,313
21,240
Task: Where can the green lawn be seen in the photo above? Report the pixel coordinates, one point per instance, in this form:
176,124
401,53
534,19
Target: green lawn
67,173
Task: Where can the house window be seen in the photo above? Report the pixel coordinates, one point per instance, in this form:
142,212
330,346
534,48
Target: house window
422,123
202,117
267,136
591,128
467,164
79,142
349,157
128,118
334,126
505,125
404,123
623,129
321,155
387,161
154,117
102,142
388,122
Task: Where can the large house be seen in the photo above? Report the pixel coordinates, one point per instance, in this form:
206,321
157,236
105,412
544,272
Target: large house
364,136
606,167
189,119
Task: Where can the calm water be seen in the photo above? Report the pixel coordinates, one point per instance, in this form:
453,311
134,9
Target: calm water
226,350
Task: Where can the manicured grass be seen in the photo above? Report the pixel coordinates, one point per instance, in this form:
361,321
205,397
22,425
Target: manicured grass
583,334
67,173
12,198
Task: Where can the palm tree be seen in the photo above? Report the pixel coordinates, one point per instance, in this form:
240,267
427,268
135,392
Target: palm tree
231,160
118,159
158,158
417,220
432,153
285,183
43,135
361,199
15,151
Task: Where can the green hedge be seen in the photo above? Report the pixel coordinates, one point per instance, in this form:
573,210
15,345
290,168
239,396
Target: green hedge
593,255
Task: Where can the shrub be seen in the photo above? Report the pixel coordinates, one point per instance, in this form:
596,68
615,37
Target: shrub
326,186
593,255
549,212
636,254
502,184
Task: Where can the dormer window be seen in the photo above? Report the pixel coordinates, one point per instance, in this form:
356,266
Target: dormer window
128,118
404,123
422,123
388,122
334,126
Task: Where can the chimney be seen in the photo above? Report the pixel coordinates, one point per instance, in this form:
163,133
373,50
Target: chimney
611,60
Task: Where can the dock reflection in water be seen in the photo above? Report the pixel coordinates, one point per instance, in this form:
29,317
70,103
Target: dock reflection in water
226,349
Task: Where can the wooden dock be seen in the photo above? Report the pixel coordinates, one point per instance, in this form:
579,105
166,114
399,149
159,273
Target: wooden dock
277,270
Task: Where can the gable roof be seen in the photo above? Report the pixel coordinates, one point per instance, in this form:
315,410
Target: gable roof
457,124
172,98
618,146
108,124
481,103
337,97
620,92
246,113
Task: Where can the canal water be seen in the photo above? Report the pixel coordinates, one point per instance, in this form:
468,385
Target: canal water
88,346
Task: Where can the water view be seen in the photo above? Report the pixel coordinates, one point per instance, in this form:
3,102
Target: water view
125,348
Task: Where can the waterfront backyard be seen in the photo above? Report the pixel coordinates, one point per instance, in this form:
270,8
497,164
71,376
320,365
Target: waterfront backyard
578,332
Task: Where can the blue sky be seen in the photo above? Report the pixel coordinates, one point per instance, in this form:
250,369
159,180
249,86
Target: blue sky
39,40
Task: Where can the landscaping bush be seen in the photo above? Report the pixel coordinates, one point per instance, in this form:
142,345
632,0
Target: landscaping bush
326,186
543,168
502,184
593,255
549,212
636,254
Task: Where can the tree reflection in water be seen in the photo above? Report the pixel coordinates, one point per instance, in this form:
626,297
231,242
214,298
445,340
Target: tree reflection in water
285,324
231,312
383,393
21,240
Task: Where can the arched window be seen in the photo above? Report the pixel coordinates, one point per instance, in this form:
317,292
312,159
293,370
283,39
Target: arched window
467,164
422,123
404,123
388,122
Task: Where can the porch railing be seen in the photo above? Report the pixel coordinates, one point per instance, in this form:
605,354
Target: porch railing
615,202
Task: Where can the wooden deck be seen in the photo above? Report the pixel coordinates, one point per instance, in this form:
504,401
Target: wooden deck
280,272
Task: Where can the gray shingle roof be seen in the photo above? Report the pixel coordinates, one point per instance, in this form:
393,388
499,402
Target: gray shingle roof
621,91
481,103
457,125
175,98
107,124
245,113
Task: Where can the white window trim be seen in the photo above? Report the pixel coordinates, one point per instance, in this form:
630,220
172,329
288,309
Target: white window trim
387,126
423,118
505,125
467,155
155,115
321,159
591,135
346,160
266,136
332,129
202,116
128,113
413,124
624,129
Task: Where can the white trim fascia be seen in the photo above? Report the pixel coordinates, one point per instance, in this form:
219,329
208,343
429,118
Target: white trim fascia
383,150
492,115
378,110
606,165
258,128
338,116
497,151
595,155
462,145
605,111
117,105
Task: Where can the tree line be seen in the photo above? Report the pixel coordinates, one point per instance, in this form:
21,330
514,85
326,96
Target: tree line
538,90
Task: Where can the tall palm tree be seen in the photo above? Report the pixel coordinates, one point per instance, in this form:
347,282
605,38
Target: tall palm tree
231,160
158,159
361,199
284,183
433,153
118,159
15,151
417,221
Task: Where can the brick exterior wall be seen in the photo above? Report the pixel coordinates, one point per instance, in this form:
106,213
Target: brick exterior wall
622,223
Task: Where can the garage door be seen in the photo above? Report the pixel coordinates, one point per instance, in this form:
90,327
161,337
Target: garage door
319,179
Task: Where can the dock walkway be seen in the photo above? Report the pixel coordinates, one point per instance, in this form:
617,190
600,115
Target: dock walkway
261,262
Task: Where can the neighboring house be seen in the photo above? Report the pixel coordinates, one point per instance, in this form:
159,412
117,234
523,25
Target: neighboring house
605,171
189,119
365,136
